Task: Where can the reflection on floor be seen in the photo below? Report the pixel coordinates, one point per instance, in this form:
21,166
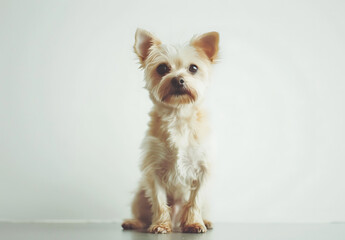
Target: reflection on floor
112,231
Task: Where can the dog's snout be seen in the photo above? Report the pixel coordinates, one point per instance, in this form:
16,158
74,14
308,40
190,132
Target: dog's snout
177,82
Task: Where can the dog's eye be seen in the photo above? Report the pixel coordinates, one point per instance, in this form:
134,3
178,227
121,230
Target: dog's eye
193,68
162,69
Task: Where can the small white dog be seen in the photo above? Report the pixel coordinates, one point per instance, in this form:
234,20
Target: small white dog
175,160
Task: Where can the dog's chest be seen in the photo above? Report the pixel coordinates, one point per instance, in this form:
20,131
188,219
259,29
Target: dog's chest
188,153
182,136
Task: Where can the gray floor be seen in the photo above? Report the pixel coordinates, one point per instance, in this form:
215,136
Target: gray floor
233,231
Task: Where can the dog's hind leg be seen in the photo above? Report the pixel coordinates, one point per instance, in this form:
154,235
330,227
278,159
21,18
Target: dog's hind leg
141,209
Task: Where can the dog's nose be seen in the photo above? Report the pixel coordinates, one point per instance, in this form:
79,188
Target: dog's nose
177,82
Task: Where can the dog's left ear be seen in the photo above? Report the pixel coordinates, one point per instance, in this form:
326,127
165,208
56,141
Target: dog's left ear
208,43
144,41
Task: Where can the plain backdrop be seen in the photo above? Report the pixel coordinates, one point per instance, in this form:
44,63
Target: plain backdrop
73,110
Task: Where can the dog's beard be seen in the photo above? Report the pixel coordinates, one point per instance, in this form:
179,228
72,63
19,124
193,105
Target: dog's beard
182,95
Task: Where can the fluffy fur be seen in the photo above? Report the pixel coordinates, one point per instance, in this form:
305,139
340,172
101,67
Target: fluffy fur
175,160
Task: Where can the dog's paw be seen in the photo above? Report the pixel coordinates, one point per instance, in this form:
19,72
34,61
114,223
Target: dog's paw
131,224
208,224
194,228
160,228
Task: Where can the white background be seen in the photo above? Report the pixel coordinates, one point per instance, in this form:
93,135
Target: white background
73,109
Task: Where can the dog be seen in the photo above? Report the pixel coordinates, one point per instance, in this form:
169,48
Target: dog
176,159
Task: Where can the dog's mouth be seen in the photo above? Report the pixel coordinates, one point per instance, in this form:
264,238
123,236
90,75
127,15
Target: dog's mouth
182,93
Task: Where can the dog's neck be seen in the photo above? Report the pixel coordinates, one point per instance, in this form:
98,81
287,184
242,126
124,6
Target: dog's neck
180,112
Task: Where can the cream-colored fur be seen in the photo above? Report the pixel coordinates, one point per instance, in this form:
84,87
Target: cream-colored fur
175,160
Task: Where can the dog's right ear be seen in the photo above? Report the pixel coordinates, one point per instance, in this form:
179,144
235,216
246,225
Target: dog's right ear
144,40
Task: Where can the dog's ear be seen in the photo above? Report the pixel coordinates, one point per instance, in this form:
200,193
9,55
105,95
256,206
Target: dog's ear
208,43
144,41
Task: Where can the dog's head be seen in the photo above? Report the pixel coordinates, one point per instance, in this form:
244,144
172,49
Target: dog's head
176,75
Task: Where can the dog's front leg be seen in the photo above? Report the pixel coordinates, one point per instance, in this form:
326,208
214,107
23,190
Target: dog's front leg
191,221
161,220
